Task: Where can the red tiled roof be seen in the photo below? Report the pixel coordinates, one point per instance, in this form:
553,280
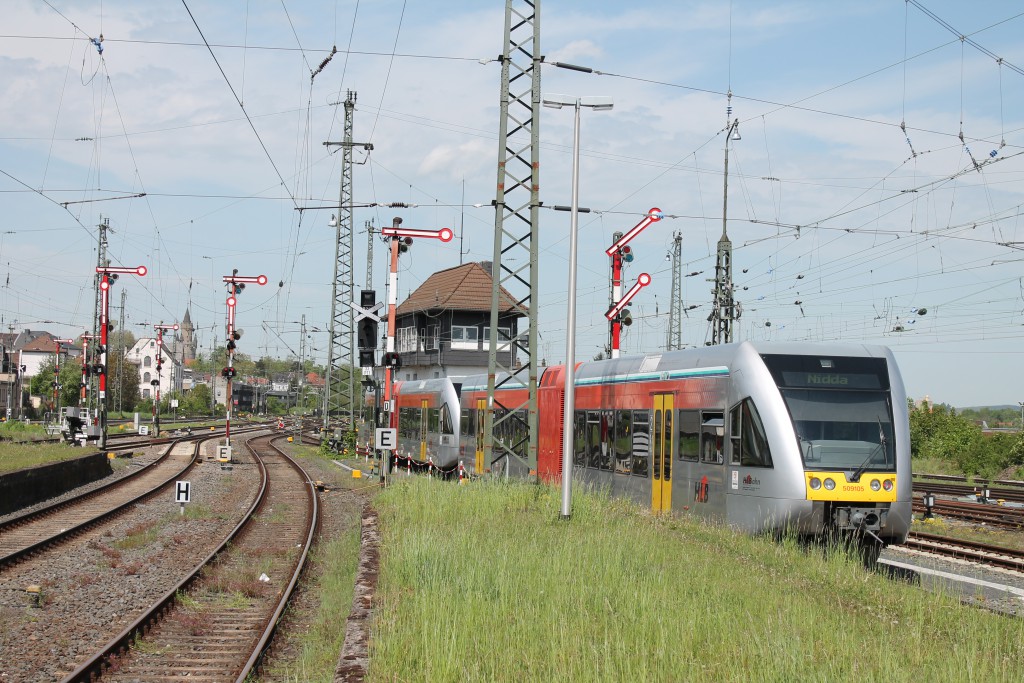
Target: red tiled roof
46,344
465,288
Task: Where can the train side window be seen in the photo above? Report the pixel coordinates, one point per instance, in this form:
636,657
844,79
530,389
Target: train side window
688,438
579,447
641,443
668,445
465,426
712,437
658,441
748,437
607,439
593,438
623,441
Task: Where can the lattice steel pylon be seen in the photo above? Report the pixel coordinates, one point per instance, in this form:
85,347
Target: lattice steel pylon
516,240
339,385
675,306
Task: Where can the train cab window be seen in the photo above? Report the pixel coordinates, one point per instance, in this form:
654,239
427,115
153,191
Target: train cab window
433,420
641,443
688,437
446,420
747,435
712,437
622,451
465,424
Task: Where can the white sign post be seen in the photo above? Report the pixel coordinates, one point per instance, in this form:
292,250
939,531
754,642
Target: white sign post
182,494
386,438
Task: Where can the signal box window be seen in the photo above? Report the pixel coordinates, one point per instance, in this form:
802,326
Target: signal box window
465,337
746,432
641,443
688,438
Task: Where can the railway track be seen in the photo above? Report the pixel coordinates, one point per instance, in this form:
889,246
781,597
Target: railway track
1010,493
220,630
966,550
980,513
24,536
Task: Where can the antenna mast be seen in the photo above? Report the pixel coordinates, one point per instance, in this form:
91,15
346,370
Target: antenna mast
723,314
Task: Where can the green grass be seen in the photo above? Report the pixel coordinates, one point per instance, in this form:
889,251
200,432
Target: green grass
16,457
321,644
485,583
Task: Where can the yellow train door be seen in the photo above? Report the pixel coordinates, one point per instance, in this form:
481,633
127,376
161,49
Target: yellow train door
663,440
481,408
424,419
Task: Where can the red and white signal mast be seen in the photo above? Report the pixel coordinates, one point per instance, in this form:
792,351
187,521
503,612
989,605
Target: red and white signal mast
401,238
159,375
109,274
235,284
619,253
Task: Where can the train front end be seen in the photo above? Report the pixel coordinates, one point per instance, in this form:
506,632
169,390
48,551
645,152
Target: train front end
849,416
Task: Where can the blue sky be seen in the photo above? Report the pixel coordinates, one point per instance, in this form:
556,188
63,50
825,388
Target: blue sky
831,204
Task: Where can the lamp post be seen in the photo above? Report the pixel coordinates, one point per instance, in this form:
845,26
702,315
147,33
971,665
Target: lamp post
569,402
1021,404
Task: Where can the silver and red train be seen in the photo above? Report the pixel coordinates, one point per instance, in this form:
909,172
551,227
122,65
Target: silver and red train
764,437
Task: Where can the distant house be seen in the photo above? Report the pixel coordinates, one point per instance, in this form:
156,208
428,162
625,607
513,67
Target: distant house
443,328
145,354
23,355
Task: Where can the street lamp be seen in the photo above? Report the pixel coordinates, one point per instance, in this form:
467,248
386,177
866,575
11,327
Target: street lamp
1021,404
569,402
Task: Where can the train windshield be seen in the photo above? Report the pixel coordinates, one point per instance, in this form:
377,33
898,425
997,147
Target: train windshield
841,410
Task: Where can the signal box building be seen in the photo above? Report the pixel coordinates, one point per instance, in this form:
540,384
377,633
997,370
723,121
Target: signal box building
443,328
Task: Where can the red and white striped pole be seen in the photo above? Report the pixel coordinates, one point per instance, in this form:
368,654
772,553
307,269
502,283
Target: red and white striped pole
107,271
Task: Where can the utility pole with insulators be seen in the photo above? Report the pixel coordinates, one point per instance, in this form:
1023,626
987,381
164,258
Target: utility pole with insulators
723,315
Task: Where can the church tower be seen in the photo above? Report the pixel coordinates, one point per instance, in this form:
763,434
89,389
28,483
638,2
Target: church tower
187,338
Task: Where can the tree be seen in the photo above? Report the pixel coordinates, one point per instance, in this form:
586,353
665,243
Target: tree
69,379
198,400
122,382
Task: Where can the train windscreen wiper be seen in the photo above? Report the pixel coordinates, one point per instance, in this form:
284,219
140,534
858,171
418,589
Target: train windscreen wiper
882,443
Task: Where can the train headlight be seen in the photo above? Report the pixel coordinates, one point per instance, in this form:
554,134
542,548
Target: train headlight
815,483
830,484
875,485
887,484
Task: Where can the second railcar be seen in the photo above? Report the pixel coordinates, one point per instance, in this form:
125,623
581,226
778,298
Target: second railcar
426,414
